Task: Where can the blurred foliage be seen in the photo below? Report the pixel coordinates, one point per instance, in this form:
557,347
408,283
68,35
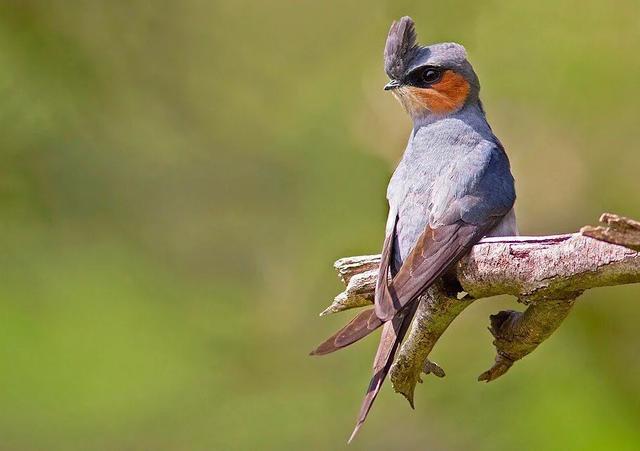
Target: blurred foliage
178,176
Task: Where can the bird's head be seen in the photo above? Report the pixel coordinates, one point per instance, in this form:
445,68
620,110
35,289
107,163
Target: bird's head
427,80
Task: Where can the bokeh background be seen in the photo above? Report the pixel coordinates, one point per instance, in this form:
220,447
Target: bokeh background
177,178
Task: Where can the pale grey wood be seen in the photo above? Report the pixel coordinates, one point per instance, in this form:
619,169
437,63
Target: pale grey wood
546,272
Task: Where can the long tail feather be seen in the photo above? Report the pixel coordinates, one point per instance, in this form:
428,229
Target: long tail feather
392,336
359,327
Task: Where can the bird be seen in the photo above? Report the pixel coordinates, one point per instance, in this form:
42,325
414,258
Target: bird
452,187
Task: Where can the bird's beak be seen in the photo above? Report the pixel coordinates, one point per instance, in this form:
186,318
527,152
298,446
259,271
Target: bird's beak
393,84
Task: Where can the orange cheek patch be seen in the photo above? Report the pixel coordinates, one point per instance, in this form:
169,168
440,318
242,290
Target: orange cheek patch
446,96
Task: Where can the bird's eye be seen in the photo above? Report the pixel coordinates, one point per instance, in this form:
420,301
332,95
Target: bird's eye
431,75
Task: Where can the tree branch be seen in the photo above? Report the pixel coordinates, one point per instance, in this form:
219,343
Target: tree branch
545,273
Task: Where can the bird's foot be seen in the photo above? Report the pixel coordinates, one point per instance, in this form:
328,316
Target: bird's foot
432,368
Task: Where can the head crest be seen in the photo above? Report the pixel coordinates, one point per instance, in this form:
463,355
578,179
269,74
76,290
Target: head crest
401,47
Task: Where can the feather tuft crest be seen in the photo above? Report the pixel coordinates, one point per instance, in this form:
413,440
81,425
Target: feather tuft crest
401,46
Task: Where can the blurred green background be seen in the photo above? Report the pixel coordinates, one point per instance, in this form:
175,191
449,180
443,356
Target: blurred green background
179,176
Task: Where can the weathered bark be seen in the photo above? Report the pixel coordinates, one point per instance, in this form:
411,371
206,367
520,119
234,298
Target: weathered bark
619,230
517,334
545,273
436,311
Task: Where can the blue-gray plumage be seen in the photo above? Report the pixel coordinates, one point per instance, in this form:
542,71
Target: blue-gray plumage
451,170
452,187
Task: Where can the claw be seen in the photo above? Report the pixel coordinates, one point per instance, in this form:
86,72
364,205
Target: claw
433,368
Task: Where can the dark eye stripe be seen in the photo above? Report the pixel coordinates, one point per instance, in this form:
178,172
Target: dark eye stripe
431,76
425,76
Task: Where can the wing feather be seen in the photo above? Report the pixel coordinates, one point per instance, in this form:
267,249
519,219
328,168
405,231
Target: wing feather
390,340
382,295
474,196
434,253
359,327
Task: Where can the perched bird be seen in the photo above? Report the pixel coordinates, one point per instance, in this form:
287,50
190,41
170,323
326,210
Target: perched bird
452,187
